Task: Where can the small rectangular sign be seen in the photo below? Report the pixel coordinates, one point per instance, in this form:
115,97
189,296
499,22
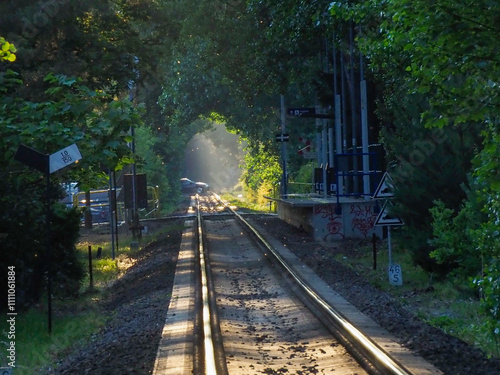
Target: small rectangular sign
395,274
64,157
282,137
310,155
301,111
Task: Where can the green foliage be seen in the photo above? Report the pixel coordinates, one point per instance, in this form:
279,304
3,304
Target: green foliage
152,165
487,236
302,179
433,166
7,50
70,113
452,240
67,271
234,71
262,166
445,54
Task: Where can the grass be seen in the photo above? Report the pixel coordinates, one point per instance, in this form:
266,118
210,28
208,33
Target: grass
450,305
36,349
73,321
243,202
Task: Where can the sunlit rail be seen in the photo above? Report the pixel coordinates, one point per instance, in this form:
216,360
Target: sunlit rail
377,356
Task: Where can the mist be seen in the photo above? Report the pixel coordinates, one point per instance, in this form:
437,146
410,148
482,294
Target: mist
214,157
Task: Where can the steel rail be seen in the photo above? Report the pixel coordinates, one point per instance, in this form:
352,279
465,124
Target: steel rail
377,356
210,367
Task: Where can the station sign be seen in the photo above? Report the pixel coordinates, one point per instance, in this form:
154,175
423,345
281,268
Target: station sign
301,112
308,113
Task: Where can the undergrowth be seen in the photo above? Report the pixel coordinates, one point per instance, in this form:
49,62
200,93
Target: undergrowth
450,304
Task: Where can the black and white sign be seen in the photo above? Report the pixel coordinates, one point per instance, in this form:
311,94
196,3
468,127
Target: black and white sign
385,188
282,137
385,218
64,157
303,112
395,275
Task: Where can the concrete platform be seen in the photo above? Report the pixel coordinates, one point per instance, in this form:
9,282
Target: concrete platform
175,350
328,221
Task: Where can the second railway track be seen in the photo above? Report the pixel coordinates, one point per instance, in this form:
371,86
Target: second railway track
259,315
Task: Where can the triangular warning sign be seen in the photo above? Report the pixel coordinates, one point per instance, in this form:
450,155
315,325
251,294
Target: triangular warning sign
385,188
384,218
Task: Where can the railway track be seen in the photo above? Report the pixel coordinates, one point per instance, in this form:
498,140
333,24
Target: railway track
256,310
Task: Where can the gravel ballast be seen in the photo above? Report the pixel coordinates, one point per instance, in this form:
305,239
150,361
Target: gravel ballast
137,303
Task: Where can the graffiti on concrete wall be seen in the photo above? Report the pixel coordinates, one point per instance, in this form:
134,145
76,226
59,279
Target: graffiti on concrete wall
334,225
363,218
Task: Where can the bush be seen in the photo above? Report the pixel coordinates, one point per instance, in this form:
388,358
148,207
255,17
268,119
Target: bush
67,271
453,243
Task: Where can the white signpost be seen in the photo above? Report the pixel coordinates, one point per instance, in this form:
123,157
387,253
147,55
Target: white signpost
64,157
385,190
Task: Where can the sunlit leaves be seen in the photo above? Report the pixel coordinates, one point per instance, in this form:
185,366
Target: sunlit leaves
7,50
73,113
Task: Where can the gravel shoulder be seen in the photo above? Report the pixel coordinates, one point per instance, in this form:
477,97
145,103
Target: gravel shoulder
137,306
450,354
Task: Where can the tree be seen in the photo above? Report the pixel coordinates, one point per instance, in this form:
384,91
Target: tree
446,52
72,114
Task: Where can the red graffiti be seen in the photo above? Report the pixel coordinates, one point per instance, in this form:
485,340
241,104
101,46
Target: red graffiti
334,225
364,218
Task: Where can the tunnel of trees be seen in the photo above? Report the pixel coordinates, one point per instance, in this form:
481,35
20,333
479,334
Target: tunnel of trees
85,72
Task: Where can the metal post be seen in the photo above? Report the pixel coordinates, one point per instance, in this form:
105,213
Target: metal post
91,276
49,253
338,120
364,132
111,199
324,147
389,244
330,146
135,215
115,204
354,109
344,119
284,187
319,143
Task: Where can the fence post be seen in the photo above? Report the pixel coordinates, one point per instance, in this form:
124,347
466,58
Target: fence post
90,268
